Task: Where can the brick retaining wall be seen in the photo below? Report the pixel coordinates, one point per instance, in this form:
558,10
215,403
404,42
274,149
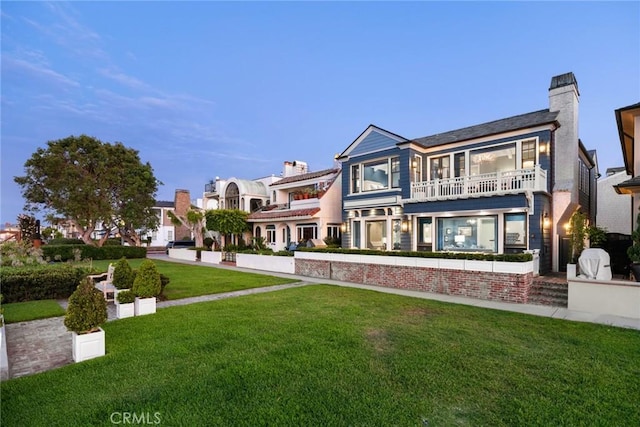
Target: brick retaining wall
506,287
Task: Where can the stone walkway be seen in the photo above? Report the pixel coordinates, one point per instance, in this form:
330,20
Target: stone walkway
42,345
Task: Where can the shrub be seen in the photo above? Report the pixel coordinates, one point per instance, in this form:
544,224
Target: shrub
126,297
112,242
63,241
66,252
420,254
40,282
208,243
332,241
123,274
18,254
147,283
284,253
87,308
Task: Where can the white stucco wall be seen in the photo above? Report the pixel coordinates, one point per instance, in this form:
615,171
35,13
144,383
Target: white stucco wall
614,210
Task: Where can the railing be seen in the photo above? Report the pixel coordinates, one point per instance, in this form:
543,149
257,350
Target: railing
488,184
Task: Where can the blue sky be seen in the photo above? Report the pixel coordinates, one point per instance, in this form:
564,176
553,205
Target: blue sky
206,89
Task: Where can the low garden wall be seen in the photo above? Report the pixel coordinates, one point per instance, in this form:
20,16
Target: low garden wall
612,297
211,257
183,254
489,280
278,264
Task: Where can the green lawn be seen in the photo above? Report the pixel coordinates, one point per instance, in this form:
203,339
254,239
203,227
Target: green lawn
31,310
194,280
324,355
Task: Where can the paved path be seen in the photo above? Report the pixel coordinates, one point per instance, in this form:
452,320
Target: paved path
42,345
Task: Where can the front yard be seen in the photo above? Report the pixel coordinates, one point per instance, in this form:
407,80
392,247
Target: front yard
324,355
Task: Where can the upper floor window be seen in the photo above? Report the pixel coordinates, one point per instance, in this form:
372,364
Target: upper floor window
376,175
528,153
584,177
494,159
440,167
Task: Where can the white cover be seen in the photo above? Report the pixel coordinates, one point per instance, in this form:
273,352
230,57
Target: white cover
595,264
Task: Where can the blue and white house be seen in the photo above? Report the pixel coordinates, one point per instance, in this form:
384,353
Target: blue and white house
506,186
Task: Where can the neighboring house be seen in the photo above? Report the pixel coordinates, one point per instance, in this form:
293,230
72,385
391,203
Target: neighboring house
166,230
628,120
303,207
613,210
505,186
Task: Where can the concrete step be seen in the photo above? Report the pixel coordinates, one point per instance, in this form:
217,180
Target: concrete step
552,293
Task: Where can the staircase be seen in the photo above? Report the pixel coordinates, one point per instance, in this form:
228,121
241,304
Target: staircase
553,291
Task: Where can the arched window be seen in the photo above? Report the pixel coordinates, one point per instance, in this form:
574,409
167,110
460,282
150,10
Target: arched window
232,196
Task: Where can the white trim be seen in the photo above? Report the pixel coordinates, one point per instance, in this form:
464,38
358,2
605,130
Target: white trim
372,202
366,133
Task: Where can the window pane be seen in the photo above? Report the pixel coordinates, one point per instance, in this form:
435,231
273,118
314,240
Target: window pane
356,234
495,159
440,167
355,178
395,173
376,236
528,153
515,226
376,176
471,234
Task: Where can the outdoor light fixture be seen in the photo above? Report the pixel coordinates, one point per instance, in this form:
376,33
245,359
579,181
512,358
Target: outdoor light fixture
343,227
546,221
544,147
414,163
406,224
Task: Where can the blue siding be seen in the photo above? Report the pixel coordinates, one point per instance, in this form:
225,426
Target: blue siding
479,203
346,177
373,142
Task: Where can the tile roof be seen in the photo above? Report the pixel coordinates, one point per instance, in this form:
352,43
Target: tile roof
284,213
302,177
491,128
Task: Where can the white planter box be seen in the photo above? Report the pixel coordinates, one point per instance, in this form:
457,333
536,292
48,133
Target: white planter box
477,265
451,264
4,359
125,310
116,291
88,346
183,254
144,306
211,257
513,267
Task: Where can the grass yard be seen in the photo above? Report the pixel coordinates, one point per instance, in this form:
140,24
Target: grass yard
194,280
324,355
31,310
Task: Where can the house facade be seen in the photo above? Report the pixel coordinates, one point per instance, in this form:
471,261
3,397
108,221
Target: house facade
614,211
302,207
506,186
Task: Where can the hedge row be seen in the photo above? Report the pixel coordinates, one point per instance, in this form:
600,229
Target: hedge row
424,254
66,252
40,282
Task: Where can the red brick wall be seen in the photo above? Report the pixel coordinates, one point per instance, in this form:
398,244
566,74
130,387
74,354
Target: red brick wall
182,205
507,287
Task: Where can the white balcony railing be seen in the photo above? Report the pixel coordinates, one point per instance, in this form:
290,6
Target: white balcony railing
488,184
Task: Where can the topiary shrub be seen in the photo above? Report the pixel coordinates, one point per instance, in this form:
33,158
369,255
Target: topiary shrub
147,283
126,297
87,309
123,274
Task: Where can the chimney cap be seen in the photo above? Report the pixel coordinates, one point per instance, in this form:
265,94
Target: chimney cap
566,79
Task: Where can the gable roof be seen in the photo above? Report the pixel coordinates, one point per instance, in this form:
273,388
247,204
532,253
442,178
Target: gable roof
365,133
305,176
521,121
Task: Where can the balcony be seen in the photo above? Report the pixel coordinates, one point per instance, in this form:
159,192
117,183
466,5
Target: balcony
488,184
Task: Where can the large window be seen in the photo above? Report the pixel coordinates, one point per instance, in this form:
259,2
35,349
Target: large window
376,234
333,231
528,153
376,175
468,234
494,159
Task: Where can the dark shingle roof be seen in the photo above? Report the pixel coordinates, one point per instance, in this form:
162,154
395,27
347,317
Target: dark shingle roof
491,128
164,204
302,177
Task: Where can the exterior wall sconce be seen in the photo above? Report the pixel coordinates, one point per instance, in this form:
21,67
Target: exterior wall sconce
343,227
406,224
414,163
546,221
544,148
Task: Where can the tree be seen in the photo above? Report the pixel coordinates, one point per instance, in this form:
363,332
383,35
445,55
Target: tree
29,227
194,220
92,184
227,221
